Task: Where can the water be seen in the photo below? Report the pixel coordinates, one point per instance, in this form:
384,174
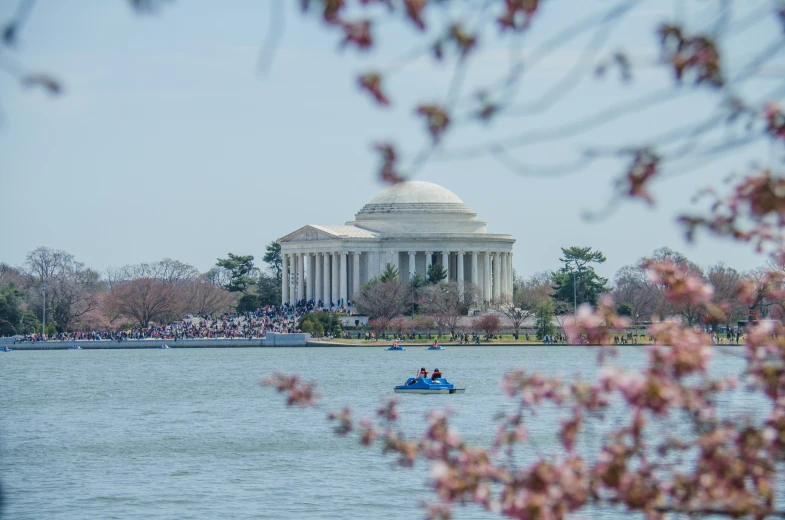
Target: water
190,433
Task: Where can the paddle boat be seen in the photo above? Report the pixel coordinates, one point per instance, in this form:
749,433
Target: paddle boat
396,346
74,347
427,385
435,346
164,346
6,349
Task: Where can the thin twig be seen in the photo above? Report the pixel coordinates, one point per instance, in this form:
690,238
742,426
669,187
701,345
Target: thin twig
578,71
599,118
511,83
272,39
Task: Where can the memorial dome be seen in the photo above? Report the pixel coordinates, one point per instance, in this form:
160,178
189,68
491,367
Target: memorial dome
417,207
413,192
415,197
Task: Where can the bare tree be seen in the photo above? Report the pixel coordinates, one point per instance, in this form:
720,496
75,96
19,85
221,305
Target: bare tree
217,276
725,281
447,303
145,300
204,297
67,288
690,312
527,295
11,276
633,287
383,299
75,293
170,271
148,292
562,312
44,263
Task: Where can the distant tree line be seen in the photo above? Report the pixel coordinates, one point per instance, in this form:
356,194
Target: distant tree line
550,296
54,286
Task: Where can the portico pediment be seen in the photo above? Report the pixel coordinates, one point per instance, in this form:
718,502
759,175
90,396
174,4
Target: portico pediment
312,232
308,234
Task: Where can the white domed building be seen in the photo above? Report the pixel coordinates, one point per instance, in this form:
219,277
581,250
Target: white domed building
409,225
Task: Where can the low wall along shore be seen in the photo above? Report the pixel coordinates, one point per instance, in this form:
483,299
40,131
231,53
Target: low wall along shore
273,339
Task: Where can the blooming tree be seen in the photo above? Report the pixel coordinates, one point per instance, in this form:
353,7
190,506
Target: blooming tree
710,464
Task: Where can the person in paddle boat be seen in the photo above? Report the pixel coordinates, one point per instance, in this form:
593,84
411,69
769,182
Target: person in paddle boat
435,344
395,345
436,374
422,374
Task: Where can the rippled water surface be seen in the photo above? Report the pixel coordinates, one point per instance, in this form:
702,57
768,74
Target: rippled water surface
190,433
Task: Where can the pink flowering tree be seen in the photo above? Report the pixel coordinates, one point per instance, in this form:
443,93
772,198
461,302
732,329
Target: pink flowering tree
711,463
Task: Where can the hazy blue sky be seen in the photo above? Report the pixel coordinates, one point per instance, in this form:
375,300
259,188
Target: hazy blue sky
169,143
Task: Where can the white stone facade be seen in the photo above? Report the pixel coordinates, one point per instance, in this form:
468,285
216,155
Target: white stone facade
409,225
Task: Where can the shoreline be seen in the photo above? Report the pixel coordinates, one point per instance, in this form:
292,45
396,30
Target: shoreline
272,341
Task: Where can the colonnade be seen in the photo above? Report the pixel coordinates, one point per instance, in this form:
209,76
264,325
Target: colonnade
335,278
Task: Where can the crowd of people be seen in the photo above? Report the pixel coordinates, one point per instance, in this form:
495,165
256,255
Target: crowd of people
247,325
280,319
314,305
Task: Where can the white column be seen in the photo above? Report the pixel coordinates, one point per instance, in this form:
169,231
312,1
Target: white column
446,264
284,279
508,279
512,275
343,276
301,276
334,284
356,275
503,279
459,267
317,269
502,276
412,264
310,277
486,281
292,279
326,279
475,281
497,278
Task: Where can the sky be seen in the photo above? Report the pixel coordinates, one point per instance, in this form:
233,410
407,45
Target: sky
170,140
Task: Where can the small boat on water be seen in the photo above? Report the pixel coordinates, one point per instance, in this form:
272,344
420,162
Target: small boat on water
436,347
6,349
428,386
396,346
74,347
164,346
